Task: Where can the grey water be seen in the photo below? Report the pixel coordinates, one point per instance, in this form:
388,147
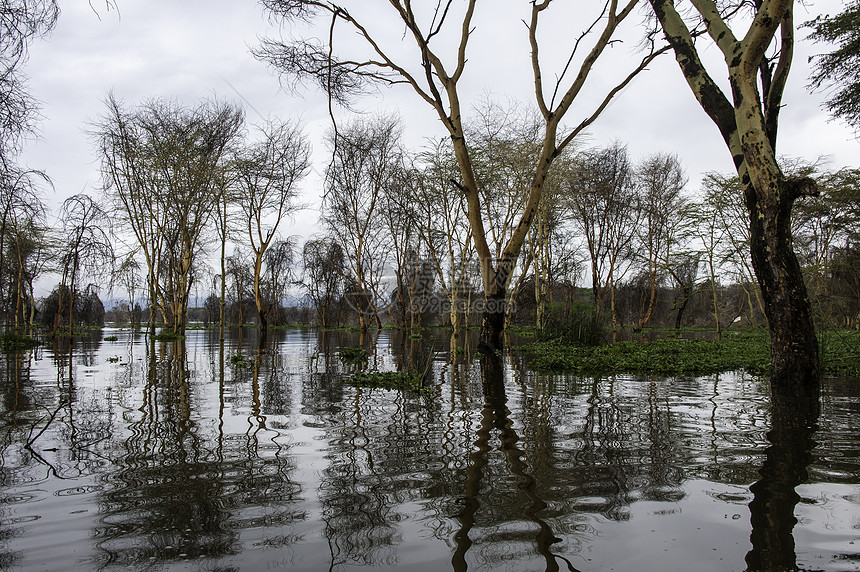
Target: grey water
183,456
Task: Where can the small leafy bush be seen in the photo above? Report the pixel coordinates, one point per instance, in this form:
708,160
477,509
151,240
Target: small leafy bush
168,337
353,355
239,361
399,380
11,342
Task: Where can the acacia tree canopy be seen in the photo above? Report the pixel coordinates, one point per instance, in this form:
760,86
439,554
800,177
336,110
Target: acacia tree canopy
162,165
433,67
838,71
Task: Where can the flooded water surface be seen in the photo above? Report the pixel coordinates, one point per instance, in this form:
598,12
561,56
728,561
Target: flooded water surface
190,456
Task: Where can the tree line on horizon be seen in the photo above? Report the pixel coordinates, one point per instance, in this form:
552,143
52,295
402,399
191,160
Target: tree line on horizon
191,164
616,243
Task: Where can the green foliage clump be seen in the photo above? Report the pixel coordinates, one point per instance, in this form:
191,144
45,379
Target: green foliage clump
352,355
669,356
522,331
239,361
400,380
572,324
110,338
840,352
12,342
167,337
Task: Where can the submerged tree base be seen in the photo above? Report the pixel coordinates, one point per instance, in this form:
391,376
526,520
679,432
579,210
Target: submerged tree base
747,351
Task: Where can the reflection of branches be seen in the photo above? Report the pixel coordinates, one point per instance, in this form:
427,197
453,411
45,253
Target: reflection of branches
357,510
146,516
31,440
794,421
495,416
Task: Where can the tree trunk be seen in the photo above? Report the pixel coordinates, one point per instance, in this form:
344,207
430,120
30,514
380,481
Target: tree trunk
748,125
262,311
455,324
222,301
652,280
793,343
264,320
686,294
493,321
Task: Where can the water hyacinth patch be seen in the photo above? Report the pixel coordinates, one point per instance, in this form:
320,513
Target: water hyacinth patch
400,380
736,351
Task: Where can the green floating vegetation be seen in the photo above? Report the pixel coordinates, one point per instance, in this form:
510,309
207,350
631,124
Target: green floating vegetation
840,352
352,355
400,380
168,337
240,361
110,338
12,342
748,351
669,356
522,331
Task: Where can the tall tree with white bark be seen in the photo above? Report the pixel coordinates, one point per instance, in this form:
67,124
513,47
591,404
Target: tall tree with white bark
758,60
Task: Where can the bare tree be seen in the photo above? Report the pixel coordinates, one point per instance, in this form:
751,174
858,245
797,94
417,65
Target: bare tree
266,177
826,228
20,22
367,159
398,216
225,215
324,267
437,83
162,165
548,244
279,262
748,119
239,274
26,239
444,230
660,179
505,143
603,205
86,250
711,234
22,210
127,273
724,196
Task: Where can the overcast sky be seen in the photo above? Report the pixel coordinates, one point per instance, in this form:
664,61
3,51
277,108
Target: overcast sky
194,49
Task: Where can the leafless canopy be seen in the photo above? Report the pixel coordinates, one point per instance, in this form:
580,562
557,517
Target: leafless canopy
431,57
20,22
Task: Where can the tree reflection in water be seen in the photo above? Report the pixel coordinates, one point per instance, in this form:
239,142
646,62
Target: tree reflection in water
794,420
166,499
494,416
169,454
